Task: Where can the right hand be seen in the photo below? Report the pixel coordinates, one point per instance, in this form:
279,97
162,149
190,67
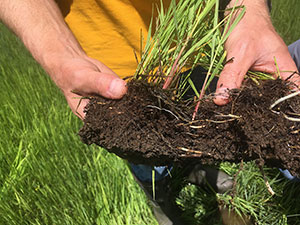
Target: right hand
54,46
86,76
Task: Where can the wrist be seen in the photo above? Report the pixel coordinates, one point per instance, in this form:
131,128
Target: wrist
256,15
51,57
55,48
264,5
261,3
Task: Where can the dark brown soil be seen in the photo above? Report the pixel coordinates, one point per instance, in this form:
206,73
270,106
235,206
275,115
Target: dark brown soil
148,127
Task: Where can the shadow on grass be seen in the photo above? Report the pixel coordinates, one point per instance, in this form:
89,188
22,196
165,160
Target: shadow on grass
290,202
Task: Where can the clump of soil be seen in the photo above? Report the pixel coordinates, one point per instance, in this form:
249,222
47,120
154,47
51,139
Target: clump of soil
147,126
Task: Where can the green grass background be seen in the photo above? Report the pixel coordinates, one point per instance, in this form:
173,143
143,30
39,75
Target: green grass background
47,176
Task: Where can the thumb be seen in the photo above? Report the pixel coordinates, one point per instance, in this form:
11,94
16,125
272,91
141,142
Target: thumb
231,77
107,85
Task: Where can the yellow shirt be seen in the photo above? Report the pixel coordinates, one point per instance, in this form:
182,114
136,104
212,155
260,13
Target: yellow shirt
110,30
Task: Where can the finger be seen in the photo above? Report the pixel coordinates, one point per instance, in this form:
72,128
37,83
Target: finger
101,67
79,109
281,65
104,84
77,103
287,69
231,77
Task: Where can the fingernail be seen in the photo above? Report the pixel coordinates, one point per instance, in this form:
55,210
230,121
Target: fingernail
116,88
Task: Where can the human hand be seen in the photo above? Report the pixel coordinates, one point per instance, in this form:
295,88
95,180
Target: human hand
84,76
253,45
53,45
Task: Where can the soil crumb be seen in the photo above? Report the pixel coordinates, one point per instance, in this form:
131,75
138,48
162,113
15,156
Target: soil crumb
146,126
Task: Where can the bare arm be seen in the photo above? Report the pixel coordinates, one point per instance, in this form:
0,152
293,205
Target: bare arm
253,45
41,27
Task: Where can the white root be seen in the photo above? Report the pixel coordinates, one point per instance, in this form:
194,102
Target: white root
291,118
228,115
269,188
197,152
162,109
284,99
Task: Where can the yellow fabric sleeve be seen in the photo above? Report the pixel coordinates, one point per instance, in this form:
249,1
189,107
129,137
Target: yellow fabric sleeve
110,30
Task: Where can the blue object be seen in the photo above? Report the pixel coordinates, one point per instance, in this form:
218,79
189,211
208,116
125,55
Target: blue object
294,50
289,176
144,172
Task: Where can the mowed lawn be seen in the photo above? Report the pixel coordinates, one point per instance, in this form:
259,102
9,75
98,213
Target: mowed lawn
47,176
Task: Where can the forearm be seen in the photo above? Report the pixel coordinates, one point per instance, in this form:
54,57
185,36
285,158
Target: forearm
41,27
